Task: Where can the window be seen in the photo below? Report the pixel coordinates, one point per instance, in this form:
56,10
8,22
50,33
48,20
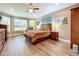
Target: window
20,24
32,23
6,20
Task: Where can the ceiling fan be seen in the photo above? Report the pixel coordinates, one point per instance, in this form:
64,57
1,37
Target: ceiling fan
31,8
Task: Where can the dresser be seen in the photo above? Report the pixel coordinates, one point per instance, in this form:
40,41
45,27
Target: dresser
75,26
3,35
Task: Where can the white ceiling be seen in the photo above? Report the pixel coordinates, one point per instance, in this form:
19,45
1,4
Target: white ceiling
20,9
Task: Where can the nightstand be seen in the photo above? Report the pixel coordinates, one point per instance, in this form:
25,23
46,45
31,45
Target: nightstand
54,35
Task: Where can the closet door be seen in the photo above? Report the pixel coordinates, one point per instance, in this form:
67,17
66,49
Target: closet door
75,26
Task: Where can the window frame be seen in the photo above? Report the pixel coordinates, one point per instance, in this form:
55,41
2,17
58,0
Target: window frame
19,29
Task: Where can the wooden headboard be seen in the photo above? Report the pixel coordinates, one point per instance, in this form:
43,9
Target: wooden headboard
4,27
46,26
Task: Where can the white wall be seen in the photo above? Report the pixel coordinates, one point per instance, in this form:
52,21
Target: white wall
65,29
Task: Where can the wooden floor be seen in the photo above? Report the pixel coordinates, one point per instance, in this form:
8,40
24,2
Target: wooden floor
21,46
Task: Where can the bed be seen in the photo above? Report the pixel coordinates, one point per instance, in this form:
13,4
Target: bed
36,36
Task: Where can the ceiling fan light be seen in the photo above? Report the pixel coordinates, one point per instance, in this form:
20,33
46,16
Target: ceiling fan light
30,10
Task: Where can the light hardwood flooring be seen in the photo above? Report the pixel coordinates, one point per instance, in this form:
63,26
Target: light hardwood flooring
21,46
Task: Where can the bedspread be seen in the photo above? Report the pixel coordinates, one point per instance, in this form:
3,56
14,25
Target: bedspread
36,34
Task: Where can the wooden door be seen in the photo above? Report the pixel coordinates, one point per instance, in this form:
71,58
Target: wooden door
75,26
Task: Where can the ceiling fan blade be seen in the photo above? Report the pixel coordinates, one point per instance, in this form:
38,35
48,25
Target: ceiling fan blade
36,8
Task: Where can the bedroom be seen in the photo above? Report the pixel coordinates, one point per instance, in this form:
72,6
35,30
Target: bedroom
33,32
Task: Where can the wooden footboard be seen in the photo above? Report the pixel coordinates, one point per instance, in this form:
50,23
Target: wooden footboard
38,40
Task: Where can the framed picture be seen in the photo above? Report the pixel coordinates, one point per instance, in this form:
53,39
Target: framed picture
65,20
61,20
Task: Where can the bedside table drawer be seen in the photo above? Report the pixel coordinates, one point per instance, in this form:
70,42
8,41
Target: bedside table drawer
54,35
